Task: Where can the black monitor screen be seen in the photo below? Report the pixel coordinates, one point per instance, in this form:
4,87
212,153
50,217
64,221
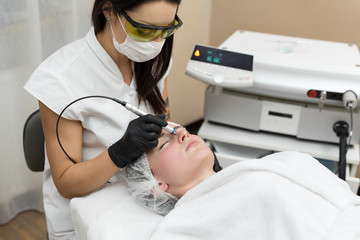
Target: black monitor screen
222,57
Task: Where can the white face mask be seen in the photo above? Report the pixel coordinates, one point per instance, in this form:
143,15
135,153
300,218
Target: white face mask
135,50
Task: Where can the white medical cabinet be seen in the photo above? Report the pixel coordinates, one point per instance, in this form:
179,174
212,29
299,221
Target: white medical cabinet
270,93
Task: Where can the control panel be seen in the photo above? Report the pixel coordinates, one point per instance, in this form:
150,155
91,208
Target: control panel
221,67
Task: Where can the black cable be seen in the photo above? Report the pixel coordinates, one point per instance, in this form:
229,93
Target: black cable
351,129
79,99
342,157
341,165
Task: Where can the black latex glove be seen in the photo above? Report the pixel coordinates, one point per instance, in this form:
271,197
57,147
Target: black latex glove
141,135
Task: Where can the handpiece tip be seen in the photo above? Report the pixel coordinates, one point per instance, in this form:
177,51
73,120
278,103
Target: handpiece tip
120,101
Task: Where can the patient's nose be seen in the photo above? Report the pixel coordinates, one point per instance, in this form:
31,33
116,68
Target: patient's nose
182,134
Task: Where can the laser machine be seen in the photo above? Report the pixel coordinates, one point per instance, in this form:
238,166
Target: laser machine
271,93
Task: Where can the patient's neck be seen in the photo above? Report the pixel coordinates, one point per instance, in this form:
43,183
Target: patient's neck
181,190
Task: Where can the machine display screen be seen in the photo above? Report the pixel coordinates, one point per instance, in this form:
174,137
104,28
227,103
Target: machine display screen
222,57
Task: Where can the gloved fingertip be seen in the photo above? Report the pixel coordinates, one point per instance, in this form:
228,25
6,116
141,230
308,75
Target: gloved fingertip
153,143
161,115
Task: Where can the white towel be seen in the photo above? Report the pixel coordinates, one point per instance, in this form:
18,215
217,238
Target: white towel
286,195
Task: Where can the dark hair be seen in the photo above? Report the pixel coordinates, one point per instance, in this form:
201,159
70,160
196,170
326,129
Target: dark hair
149,73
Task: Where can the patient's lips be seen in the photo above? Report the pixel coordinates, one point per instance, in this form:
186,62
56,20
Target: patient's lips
190,144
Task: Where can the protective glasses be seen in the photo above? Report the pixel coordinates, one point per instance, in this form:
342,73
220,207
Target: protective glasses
146,33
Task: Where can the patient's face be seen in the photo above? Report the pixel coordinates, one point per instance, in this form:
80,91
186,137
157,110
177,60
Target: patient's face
180,162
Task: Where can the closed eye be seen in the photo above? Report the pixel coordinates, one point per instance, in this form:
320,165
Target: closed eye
163,145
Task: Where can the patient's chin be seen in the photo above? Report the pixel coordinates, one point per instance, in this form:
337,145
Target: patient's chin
205,156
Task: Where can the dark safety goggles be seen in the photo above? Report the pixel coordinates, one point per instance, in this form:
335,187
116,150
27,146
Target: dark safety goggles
146,33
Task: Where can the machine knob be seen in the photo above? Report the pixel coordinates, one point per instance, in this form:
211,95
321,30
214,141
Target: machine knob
218,77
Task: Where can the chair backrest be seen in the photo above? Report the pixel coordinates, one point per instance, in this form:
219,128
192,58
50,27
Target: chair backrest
33,142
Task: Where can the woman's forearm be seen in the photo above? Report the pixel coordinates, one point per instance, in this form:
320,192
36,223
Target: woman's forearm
85,177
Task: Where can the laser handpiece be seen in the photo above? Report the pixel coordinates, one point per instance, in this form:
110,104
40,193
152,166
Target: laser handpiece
140,112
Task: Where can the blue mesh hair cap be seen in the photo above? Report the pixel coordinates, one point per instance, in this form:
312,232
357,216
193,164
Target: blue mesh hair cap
144,188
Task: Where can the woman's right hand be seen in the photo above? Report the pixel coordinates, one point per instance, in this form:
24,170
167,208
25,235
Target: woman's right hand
141,135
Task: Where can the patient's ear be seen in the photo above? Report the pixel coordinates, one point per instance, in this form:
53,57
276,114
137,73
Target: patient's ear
163,186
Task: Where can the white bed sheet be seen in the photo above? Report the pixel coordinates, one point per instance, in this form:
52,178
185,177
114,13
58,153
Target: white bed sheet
289,195
111,213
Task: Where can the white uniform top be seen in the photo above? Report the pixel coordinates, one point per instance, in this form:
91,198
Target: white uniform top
80,69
